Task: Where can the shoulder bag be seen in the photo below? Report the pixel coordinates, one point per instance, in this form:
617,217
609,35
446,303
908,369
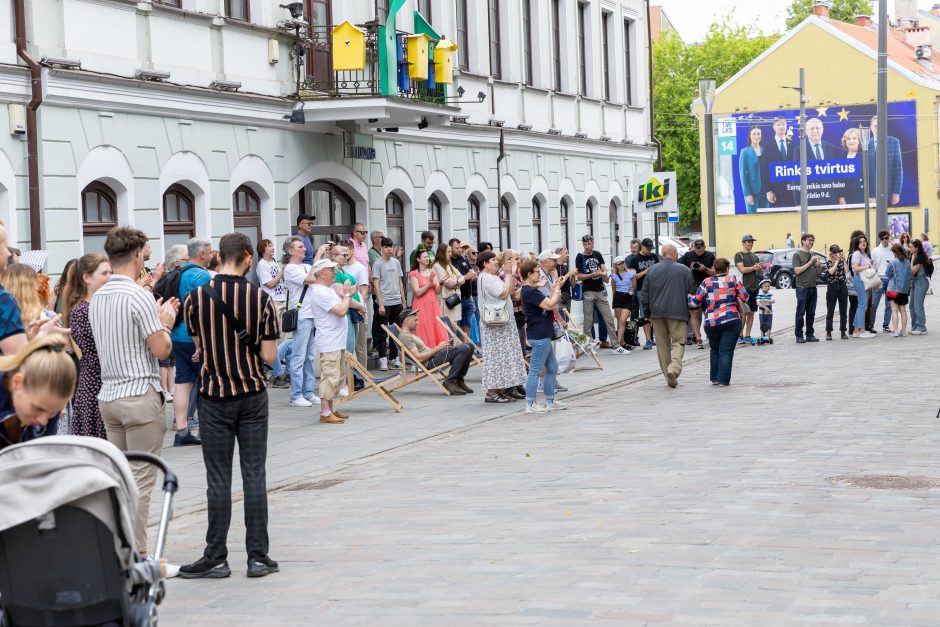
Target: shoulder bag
870,278
290,315
240,331
495,315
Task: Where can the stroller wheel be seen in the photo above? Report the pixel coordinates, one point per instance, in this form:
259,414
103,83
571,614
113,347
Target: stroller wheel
142,614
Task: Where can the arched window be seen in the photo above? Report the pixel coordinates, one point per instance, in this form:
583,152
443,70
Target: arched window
99,215
537,224
564,223
473,221
505,236
614,229
179,215
247,209
333,211
434,218
589,217
395,221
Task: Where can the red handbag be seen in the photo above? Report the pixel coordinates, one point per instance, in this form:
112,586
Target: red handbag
891,294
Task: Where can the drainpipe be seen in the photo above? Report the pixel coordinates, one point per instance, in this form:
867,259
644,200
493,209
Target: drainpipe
499,178
649,39
32,127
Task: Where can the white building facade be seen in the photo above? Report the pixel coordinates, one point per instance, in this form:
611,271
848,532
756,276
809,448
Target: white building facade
172,117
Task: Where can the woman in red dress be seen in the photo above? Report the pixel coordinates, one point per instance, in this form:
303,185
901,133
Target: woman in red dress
426,288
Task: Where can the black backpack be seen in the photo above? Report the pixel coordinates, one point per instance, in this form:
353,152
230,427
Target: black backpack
169,287
928,266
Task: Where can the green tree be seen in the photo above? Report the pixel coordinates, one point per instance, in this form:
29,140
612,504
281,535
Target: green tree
842,10
676,69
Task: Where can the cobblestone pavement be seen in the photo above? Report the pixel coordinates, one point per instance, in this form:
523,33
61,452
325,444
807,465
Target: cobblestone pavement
639,505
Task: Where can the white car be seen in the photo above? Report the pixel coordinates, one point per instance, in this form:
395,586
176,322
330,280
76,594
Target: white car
675,241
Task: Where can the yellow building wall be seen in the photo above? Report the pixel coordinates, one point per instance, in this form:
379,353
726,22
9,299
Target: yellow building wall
836,72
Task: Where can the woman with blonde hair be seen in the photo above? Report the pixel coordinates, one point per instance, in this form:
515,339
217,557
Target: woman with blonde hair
36,383
853,193
90,273
23,284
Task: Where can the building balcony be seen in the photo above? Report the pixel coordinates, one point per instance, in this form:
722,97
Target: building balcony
381,92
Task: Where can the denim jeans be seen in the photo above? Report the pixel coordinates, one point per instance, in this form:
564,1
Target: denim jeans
467,311
919,287
542,356
862,294
722,339
805,310
283,351
876,300
352,331
301,362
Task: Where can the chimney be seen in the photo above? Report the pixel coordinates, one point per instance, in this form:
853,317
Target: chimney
905,13
917,36
863,20
821,8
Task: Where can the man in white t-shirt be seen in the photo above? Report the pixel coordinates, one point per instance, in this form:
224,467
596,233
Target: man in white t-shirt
297,276
361,272
881,256
329,313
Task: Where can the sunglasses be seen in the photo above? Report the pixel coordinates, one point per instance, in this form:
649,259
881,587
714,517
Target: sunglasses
362,232
885,238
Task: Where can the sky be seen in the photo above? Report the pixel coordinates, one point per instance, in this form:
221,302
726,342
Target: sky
693,17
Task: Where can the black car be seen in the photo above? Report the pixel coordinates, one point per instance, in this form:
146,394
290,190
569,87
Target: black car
778,266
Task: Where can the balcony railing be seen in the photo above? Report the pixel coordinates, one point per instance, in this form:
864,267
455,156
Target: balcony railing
323,82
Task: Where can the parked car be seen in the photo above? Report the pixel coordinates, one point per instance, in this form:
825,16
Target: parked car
778,266
675,241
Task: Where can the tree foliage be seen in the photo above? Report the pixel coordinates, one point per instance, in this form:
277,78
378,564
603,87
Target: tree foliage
842,10
676,69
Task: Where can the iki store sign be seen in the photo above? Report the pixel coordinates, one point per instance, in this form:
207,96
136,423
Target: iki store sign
658,193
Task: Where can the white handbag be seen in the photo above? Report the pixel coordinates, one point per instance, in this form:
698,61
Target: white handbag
495,315
870,279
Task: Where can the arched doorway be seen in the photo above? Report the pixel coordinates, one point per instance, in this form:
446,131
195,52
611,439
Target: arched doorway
395,222
333,210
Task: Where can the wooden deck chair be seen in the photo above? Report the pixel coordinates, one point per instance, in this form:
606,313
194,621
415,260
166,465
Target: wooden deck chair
383,386
422,371
593,355
458,335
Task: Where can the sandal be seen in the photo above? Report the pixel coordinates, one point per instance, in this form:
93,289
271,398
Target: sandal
496,398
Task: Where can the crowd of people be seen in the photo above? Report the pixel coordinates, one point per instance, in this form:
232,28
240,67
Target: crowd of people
104,352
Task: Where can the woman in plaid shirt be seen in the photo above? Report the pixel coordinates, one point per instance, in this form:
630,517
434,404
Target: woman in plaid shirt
720,295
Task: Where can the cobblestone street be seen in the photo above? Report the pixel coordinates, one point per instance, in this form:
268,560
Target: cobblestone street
638,505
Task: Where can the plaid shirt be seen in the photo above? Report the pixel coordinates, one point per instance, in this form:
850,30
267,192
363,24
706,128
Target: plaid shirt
720,295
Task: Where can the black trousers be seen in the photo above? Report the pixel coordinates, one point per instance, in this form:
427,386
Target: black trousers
459,358
379,336
221,423
836,293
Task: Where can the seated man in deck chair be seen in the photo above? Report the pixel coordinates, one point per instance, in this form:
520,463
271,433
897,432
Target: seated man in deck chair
458,355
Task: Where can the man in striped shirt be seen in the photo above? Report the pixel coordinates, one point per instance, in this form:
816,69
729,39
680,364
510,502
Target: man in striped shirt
235,325
131,333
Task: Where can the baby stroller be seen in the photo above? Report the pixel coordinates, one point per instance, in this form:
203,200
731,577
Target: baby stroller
67,508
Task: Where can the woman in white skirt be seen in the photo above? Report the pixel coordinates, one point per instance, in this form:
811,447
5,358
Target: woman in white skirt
503,366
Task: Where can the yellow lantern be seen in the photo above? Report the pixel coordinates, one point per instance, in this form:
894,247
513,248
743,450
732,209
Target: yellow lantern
349,48
418,56
444,61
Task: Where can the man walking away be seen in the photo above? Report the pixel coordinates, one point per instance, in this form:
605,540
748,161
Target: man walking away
665,298
235,326
807,267
748,264
131,333
458,356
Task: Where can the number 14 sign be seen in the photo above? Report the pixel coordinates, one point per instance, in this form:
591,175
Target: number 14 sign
727,138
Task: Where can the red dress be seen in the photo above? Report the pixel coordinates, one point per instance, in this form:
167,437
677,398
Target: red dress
429,310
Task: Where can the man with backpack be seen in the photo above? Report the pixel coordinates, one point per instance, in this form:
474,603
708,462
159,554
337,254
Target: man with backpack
179,283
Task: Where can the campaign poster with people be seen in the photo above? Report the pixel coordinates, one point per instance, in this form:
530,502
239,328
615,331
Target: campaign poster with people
759,158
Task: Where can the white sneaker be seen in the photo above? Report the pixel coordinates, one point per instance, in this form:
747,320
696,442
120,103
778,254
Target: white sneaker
170,570
395,363
383,363
918,332
300,402
866,335
896,334
620,350
536,409
313,400
557,405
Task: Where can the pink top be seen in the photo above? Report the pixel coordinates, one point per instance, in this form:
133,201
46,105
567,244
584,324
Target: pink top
361,253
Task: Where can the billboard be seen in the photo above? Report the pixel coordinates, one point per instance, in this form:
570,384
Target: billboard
758,161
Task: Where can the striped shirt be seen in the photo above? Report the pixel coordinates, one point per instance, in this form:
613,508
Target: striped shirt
231,367
720,295
122,316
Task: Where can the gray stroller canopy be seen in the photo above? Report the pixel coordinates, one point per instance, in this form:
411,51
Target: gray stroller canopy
40,475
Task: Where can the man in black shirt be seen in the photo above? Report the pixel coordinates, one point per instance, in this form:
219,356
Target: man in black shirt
593,276
701,262
458,259
642,262
235,327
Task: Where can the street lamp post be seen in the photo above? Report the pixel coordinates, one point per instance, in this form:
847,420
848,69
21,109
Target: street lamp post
866,137
881,141
804,211
706,91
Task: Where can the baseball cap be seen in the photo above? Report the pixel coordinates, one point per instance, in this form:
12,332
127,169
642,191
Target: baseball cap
835,249
618,259
647,243
462,245
698,243
322,264
406,314
587,238
748,238
545,255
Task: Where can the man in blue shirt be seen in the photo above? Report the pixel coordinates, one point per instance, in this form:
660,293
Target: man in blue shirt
304,228
188,362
